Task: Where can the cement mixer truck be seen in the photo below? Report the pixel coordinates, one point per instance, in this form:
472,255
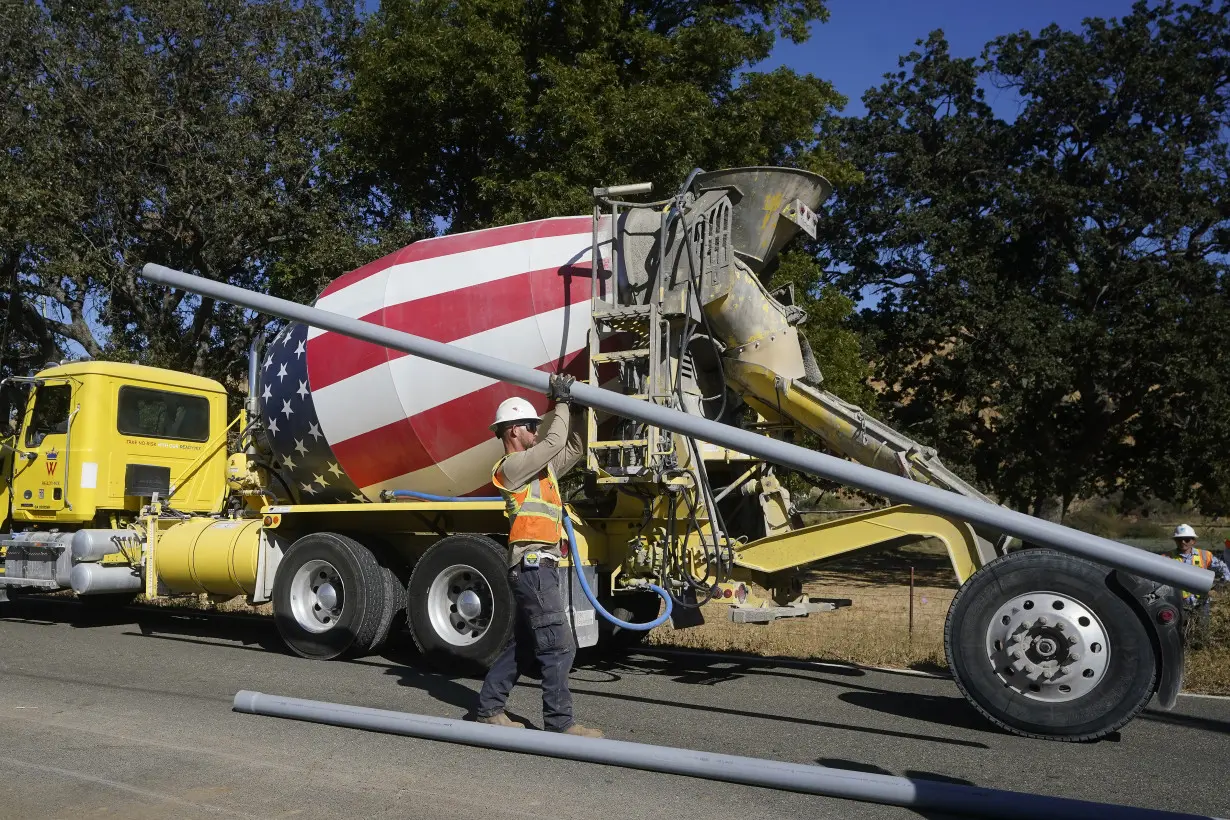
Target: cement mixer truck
353,489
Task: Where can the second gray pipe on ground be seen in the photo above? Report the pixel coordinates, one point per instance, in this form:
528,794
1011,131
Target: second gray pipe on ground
752,771
897,488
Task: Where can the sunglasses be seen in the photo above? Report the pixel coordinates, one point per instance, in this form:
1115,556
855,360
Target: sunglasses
532,426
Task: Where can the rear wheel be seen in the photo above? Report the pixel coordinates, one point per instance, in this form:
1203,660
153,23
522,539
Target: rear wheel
330,598
1043,646
460,605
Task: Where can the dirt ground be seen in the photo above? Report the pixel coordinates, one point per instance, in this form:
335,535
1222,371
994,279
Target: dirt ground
874,631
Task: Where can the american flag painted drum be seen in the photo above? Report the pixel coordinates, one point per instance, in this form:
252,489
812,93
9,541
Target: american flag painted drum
348,419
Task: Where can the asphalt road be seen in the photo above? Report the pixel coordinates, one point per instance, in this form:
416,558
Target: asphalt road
129,716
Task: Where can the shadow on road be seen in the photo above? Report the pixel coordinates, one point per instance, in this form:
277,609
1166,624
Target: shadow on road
592,676
251,632
1206,724
947,711
928,777
696,669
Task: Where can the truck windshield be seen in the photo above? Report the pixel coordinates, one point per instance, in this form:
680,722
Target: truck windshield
162,414
50,415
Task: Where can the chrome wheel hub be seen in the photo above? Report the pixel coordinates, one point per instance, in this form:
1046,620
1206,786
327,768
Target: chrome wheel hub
317,596
460,603
1048,646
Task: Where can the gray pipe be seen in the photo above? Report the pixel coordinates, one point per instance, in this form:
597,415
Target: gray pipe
1025,527
752,771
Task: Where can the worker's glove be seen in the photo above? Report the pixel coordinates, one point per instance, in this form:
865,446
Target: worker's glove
560,388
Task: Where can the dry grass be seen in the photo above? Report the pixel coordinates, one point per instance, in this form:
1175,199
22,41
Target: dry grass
1208,664
873,632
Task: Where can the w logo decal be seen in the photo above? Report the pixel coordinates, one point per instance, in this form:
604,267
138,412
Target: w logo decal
51,467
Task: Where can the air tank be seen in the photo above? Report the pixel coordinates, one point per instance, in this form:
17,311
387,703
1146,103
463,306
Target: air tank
346,419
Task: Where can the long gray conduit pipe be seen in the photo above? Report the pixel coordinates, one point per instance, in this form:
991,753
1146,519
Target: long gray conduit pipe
752,771
1025,527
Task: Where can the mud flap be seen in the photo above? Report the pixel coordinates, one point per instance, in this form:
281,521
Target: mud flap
1159,607
683,617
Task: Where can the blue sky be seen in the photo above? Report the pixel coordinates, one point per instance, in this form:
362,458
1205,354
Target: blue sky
863,38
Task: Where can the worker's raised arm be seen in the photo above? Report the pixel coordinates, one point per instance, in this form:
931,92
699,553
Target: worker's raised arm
519,468
574,447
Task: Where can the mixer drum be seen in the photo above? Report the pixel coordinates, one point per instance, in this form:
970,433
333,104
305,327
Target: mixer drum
347,419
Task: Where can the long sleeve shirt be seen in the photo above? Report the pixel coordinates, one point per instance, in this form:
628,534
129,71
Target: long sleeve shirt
1216,565
559,446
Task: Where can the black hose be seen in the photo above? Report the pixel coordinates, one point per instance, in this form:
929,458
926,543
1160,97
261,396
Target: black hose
281,481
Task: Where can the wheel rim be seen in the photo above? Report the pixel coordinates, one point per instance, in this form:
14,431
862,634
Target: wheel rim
1047,646
317,596
459,603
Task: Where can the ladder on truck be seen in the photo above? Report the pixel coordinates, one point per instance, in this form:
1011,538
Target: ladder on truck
631,336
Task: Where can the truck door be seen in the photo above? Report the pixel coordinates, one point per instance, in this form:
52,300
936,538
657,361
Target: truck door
40,478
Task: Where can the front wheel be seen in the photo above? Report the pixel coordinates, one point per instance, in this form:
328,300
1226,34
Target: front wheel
331,598
1043,646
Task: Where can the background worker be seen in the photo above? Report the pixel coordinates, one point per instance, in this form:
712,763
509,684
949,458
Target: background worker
1197,605
526,478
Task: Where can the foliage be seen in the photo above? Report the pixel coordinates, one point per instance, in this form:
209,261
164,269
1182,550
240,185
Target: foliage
836,346
1053,289
481,112
199,135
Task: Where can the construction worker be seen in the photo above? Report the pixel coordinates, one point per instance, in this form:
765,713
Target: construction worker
1185,550
526,478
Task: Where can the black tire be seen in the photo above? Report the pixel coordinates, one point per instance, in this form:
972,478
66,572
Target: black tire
634,607
1128,671
394,608
364,602
486,558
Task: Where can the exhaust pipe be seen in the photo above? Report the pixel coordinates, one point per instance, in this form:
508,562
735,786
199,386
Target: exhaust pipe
1025,527
751,771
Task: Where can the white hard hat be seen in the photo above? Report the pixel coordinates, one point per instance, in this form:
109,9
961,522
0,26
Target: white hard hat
1183,531
514,409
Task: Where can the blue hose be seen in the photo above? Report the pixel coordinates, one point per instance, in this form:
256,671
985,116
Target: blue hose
661,619
430,497
572,542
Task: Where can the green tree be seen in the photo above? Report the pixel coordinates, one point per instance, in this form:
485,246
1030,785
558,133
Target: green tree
828,328
1053,289
481,112
199,135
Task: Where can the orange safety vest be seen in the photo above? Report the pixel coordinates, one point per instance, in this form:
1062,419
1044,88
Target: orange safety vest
535,511
1201,559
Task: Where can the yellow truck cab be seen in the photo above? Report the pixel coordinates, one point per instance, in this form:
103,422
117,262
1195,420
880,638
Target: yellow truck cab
96,437
98,440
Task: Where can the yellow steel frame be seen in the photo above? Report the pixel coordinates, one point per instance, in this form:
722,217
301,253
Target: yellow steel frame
903,523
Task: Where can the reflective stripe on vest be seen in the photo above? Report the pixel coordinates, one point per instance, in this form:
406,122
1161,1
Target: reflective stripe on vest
1201,559
535,511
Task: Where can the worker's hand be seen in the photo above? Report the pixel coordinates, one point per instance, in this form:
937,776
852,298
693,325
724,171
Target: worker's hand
560,389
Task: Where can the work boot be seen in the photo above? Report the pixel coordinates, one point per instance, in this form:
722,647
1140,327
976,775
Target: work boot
581,731
501,719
